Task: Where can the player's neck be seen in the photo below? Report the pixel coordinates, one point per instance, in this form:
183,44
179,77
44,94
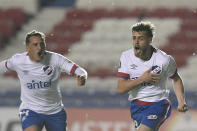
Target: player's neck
148,54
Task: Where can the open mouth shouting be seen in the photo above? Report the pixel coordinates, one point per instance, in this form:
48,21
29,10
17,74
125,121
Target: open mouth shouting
41,54
137,50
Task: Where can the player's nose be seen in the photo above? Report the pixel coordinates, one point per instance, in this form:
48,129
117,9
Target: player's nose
137,41
39,47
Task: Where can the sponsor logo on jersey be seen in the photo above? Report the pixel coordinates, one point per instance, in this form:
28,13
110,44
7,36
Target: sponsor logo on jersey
133,78
143,84
48,69
38,85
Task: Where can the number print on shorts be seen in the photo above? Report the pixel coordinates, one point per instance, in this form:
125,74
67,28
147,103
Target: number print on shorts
23,114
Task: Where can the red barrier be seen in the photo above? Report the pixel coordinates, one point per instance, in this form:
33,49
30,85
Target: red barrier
94,119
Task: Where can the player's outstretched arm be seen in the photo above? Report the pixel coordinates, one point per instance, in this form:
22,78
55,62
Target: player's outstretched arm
3,67
179,91
82,76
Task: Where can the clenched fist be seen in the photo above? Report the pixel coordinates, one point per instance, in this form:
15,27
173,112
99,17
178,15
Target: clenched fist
81,80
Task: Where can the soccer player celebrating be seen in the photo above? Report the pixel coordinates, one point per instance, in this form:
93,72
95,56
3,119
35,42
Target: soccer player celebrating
143,74
39,72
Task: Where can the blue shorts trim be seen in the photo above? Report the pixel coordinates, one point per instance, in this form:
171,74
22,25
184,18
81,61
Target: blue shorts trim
53,122
151,114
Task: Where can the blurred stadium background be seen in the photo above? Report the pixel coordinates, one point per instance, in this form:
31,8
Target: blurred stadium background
93,33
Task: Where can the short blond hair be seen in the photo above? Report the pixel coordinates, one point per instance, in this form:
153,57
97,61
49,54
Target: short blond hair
34,33
146,26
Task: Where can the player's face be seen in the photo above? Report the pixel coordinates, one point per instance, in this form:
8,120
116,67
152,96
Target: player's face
36,48
141,43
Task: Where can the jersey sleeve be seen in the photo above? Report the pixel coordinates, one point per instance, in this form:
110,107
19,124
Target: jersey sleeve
10,63
123,69
171,68
3,67
67,65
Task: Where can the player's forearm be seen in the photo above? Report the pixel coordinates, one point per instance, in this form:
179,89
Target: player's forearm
81,72
125,86
179,90
3,68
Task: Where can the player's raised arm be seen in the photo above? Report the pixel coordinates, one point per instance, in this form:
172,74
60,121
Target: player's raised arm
3,67
72,69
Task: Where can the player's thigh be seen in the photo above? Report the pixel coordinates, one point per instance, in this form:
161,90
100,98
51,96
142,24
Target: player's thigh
56,122
143,127
32,128
136,113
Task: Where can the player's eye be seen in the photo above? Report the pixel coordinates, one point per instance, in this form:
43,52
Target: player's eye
141,38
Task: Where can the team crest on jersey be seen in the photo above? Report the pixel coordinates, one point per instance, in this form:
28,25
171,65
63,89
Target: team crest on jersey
156,69
48,69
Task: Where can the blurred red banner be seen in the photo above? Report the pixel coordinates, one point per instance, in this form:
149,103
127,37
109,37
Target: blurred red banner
113,119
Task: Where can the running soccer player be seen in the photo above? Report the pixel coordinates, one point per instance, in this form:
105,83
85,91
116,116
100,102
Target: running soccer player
39,72
143,73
